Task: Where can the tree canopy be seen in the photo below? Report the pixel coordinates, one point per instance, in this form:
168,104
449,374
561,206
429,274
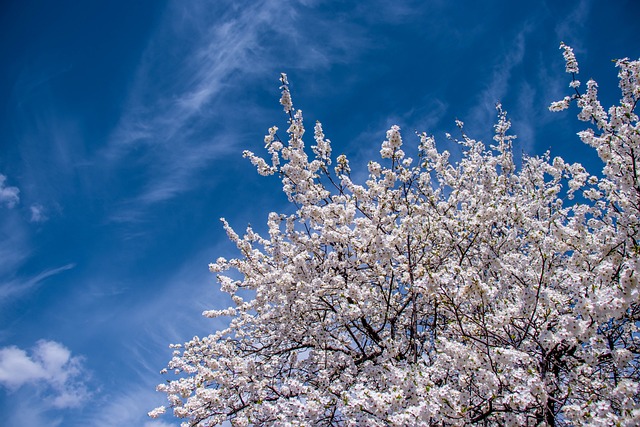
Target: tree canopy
435,293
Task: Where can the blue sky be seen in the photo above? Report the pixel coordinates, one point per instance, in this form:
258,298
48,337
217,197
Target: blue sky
121,131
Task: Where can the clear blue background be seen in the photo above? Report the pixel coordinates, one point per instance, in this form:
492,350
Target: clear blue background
122,126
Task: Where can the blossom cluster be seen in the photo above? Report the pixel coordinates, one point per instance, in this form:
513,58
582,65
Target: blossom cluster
434,293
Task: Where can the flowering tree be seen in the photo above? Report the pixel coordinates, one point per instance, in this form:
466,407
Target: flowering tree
435,293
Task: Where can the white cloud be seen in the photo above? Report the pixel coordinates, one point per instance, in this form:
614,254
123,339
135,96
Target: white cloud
8,195
17,369
37,213
50,369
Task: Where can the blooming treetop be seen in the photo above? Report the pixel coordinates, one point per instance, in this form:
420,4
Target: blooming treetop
434,293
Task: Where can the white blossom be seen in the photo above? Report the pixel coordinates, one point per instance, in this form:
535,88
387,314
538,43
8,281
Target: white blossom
285,100
560,105
440,294
570,59
157,412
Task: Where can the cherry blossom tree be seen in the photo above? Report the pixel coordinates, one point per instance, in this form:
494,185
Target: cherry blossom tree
435,293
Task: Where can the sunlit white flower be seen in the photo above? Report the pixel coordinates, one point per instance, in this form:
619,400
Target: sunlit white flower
445,293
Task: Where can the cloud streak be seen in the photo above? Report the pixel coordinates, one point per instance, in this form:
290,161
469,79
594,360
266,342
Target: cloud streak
128,408
176,117
17,287
571,28
484,111
183,99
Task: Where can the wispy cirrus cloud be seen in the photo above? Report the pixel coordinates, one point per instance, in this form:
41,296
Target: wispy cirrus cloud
16,287
184,114
128,407
31,413
570,29
170,314
500,80
14,243
171,108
